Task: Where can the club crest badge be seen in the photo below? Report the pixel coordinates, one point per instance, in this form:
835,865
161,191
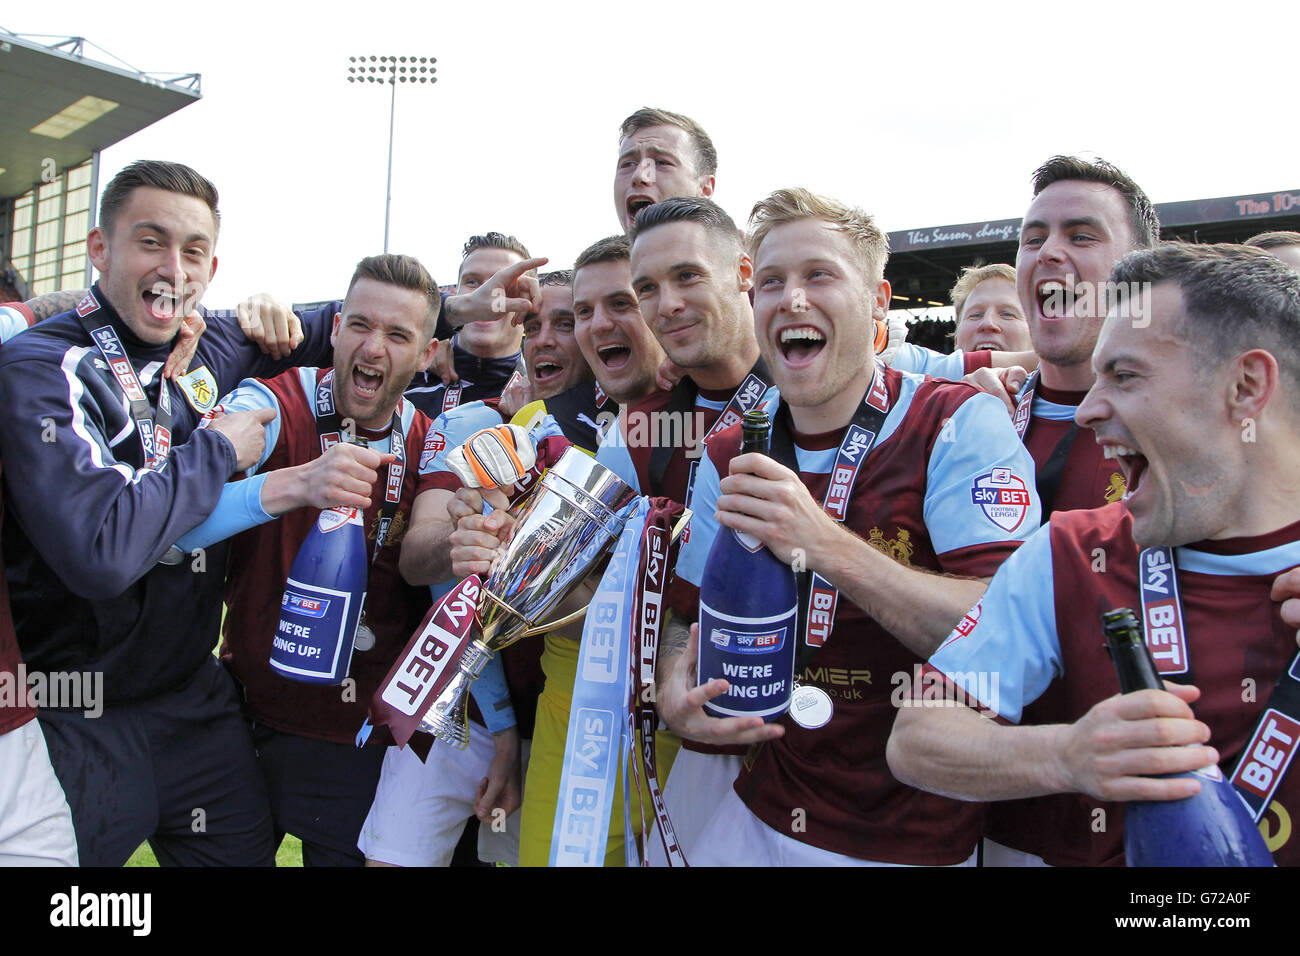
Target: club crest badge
200,389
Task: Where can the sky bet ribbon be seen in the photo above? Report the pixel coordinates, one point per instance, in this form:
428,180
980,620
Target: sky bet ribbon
600,737
1268,753
154,431
426,665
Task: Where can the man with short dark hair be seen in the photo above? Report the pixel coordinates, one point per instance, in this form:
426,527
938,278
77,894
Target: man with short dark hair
1197,375
335,431
485,353
551,356
1083,217
692,279
615,340
419,809
617,346
105,469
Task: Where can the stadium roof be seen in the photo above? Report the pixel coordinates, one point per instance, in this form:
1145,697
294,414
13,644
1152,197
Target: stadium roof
78,105
924,263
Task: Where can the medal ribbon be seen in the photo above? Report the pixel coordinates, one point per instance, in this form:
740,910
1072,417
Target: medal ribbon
1268,755
655,559
1276,738
1025,405
682,402
330,430
155,432
817,596
1048,477
1162,613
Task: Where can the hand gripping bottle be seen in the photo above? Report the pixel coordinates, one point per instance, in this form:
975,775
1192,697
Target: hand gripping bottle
1213,828
749,613
322,601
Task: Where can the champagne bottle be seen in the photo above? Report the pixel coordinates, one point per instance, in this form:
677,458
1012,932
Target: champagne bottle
749,613
322,601
1213,828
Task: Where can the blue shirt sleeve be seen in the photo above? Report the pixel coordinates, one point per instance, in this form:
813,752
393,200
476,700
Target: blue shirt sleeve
450,430
704,526
493,696
240,507
1007,645
12,322
979,479
613,454
922,361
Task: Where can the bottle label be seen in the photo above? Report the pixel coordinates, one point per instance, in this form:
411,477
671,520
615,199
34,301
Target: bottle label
331,519
315,634
755,655
1210,772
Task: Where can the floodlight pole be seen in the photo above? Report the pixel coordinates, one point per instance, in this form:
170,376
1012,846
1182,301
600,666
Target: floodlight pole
421,70
388,201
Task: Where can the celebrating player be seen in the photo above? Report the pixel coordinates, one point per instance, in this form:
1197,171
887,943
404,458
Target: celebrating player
90,420
823,795
334,432
1195,397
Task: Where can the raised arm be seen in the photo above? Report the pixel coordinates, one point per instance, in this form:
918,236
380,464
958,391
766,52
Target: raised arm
100,523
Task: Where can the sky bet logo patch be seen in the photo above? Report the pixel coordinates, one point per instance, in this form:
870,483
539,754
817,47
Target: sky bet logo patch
306,606
1002,497
433,443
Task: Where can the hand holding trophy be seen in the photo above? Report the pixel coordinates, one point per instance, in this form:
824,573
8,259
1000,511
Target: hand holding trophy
558,534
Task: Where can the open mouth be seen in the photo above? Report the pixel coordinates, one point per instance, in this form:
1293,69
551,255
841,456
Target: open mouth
1132,464
635,204
614,357
800,344
545,371
986,347
367,381
162,304
1055,298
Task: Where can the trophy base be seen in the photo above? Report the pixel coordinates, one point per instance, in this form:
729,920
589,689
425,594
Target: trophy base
447,729
448,719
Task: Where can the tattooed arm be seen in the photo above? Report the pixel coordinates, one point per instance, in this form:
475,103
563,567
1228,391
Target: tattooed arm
52,303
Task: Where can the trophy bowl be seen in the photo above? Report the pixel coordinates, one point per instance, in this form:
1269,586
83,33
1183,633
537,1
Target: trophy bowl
562,531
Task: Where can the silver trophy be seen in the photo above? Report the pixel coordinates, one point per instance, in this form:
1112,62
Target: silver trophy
561,533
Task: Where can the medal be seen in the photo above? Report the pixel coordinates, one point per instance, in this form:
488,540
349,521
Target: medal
365,638
810,707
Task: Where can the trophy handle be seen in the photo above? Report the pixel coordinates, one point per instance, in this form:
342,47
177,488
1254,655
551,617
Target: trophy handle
577,615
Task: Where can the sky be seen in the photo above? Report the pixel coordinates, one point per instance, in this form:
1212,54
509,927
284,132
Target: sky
922,113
